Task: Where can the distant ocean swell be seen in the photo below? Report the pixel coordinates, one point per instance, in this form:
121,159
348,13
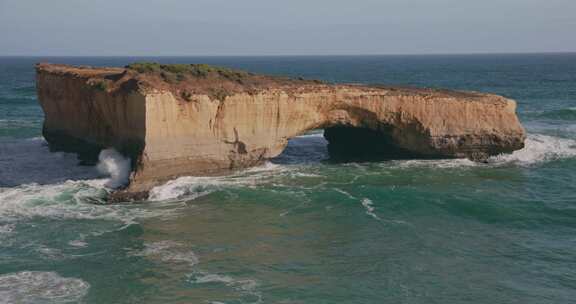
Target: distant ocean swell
566,114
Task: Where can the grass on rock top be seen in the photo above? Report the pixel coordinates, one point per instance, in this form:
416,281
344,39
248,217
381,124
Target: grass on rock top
217,82
210,78
180,71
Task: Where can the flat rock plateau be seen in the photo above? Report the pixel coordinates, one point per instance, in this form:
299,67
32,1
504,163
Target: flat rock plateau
177,120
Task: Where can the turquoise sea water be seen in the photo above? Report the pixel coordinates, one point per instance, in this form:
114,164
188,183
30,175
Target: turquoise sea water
300,229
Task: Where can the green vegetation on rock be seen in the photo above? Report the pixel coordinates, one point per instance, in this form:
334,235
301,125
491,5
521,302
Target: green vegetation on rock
100,85
179,71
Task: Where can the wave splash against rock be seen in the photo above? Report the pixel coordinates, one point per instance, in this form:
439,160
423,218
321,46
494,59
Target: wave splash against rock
176,120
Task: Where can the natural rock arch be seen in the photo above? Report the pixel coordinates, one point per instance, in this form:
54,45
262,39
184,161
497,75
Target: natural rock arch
214,120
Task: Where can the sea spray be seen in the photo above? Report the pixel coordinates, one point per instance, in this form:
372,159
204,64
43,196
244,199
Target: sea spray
113,163
192,187
539,148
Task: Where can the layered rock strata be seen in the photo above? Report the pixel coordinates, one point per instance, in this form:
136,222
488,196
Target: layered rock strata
201,120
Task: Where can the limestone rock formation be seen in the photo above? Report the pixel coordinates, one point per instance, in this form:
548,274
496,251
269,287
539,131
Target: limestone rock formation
175,120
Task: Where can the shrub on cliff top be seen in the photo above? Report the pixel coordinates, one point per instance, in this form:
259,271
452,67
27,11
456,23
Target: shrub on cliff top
196,70
100,85
144,67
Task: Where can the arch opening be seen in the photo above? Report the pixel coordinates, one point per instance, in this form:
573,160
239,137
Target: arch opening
344,143
362,144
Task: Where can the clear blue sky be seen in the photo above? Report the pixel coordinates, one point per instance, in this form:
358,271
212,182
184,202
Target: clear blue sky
285,27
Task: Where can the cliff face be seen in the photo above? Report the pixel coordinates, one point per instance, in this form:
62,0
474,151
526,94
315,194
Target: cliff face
175,122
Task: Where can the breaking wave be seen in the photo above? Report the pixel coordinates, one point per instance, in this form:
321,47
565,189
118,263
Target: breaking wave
192,187
246,287
73,200
538,149
114,164
169,252
36,182
41,287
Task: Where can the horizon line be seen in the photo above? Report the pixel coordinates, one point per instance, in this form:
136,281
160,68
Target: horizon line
307,55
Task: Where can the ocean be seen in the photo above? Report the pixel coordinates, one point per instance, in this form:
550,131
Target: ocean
302,229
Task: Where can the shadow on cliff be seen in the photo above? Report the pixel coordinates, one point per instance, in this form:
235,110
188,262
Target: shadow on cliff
346,145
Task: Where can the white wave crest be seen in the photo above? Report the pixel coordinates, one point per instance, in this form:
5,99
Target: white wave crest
369,206
313,134
240,284
213,278
539,148
192,187
113,163
366,203
245,286
435,163
41,287
73,200
170,252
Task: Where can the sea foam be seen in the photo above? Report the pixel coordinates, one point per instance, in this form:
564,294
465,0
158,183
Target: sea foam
191,187
41,287
117,166
169,252
35,182
248,287
539,148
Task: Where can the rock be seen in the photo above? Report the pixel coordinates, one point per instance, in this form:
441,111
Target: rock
175,120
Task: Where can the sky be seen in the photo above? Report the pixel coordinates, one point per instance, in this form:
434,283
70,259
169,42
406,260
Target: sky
284,27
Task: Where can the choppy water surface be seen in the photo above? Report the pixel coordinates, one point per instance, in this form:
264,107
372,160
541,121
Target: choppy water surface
300,229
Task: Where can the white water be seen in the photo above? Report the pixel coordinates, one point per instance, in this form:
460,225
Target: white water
192,187
74,200
169,252
538,149
369,206
174,253
41,287
247,287
112,163
30,161
36,182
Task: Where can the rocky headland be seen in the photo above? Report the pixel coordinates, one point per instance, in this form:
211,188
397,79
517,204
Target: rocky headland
176,120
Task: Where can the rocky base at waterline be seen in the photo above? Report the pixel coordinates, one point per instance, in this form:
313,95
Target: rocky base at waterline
175,120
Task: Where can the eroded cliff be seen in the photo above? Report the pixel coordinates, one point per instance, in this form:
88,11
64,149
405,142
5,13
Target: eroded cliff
200,120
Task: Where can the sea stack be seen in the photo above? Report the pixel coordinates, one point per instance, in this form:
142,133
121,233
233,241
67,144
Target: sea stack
177,120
